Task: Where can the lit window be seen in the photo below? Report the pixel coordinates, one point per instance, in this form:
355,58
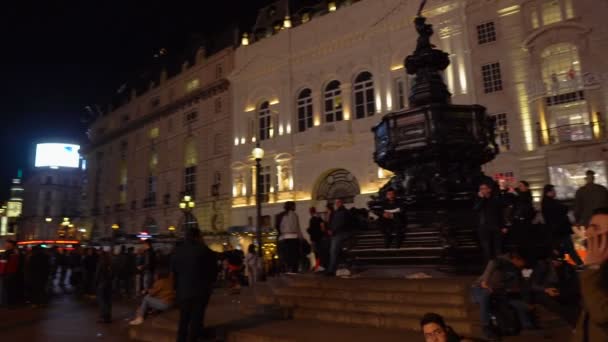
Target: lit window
400,92
534,17
561,68
486,33
365,104
333,102
265,121
552,12
153,133
190,117
304,109
192,85
492,79
265,182
502,132
190,153
569,9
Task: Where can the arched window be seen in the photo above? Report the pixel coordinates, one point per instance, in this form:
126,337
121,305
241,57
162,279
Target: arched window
304,109
265,121
333,102
365,104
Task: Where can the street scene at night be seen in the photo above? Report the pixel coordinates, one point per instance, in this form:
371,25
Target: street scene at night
304,170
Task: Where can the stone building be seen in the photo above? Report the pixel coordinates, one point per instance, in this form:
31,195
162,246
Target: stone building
310,82
172,140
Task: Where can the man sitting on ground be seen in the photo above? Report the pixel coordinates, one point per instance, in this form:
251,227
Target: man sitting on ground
502,280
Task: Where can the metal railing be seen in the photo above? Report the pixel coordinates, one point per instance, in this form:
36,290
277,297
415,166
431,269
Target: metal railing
569,133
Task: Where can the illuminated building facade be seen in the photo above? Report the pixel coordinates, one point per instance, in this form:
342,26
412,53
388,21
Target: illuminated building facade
309,83
51,196
167,141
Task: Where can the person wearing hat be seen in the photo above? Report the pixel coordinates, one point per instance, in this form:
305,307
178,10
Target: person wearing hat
589,197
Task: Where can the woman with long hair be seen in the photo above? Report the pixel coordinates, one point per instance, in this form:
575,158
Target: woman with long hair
556,218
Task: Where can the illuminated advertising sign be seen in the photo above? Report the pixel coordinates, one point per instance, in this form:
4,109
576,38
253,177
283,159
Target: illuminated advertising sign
14,209
57,155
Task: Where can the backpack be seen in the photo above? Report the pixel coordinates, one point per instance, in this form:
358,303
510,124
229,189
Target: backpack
504,318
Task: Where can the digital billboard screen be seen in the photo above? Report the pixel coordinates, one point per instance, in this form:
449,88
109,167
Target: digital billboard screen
57,155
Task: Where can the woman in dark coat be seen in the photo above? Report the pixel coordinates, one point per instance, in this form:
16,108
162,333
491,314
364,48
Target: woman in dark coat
556,218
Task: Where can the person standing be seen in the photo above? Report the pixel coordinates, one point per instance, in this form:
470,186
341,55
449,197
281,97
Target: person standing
103,282
252,262
593,323
195,270
149,264
315,231
491,228
9,272
290,236
523,214
131,269
340,233
392,219
37,274
588,198
556,218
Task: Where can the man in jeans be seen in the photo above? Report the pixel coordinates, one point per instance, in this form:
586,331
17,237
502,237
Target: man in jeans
502,279
340,233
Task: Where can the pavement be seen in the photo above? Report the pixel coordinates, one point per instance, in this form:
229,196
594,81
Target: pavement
66,318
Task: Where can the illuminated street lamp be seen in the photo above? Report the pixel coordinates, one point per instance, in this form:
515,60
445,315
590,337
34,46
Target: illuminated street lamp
186,205
258,155
115,226
48,219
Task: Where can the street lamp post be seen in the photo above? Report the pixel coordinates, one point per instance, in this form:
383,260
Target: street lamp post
258,155
186,205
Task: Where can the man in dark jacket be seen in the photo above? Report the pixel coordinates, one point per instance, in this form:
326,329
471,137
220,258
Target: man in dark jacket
195,270
103,282
149,265
392,219
340,233
491,226
10,263
37,274
589,197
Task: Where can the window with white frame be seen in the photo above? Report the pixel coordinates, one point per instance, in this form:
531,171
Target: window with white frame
365,103
265,182
400,100
486,33
551,12
265,129
492,78
304,110
502,132
561,68
333,102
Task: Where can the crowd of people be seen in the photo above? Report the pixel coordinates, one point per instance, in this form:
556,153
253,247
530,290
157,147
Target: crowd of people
531,259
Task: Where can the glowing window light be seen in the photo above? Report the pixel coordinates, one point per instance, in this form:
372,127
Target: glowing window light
462,76
526,119
331,6
389,100
378,103
281,129
243,141
288,128
234,191
236,141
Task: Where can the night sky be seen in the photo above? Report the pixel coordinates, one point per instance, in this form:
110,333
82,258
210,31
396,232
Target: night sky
57,57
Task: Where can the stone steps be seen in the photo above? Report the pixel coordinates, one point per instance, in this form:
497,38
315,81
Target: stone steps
376,303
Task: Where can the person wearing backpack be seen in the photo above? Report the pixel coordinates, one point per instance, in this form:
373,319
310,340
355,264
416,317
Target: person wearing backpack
340,233
499,291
